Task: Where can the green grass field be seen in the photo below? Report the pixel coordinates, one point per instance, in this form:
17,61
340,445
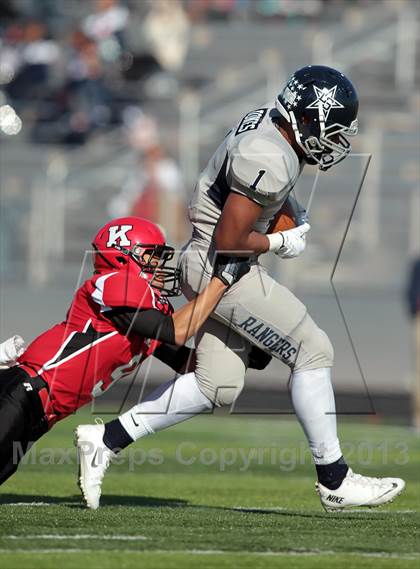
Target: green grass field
213,492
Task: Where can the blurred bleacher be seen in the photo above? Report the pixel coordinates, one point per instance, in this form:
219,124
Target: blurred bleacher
56,191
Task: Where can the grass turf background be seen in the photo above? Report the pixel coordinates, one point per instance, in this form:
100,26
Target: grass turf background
215,491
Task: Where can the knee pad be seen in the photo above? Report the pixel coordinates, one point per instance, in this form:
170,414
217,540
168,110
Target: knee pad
221,362
316,349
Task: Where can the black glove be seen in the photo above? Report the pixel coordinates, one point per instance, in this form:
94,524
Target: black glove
230,269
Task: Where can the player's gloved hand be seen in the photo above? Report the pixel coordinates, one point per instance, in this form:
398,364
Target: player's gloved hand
10,350
230,269
290,243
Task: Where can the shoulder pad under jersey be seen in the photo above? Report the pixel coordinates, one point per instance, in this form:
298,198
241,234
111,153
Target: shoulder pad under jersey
262,169
122,288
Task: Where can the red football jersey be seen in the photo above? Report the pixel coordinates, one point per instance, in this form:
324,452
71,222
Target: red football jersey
83,355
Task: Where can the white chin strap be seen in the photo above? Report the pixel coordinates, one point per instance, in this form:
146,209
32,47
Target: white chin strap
291,119
282,110
297,135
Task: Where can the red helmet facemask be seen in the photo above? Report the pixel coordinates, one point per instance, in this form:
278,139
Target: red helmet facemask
137,245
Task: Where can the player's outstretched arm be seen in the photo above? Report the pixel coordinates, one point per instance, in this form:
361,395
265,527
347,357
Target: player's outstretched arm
187,320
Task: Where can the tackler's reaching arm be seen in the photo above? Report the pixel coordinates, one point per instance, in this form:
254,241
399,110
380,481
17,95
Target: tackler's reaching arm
188,319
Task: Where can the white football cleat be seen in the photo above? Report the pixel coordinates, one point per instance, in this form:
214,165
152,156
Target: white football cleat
94,458
358,491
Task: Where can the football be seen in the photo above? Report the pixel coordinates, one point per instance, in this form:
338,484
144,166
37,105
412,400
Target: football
283,220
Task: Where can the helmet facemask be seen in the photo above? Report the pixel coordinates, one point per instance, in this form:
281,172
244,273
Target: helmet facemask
330,147
152,259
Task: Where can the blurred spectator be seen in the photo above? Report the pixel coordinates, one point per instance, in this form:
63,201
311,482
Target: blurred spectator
162,198
10,53
289,8
83,103
154,188
99,61
86,84
166,29
105,26
213,10
26,61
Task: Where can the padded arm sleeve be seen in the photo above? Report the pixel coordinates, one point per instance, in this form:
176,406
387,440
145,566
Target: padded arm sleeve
147,323
122,290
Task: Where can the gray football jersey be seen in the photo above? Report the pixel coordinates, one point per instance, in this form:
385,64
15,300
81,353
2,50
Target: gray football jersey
255,160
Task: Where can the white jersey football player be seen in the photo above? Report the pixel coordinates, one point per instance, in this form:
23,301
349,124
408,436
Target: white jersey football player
244,185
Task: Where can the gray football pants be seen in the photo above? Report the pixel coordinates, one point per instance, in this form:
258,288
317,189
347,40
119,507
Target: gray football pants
256,310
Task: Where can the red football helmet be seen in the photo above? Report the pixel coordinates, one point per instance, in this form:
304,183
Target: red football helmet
138,245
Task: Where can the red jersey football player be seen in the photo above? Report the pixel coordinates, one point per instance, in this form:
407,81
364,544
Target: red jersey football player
118,317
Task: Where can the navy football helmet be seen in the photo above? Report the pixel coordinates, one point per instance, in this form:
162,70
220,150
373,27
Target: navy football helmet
321,105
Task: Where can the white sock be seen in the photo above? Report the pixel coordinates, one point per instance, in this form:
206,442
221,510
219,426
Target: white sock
313,401
169,404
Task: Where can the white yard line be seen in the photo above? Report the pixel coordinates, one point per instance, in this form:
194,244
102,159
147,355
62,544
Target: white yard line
349,511
298,553
377,511
35,504
77,536
238,508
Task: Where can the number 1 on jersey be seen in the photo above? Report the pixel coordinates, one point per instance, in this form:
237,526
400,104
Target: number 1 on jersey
257,179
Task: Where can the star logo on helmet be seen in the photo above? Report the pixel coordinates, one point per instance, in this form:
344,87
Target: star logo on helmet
325,100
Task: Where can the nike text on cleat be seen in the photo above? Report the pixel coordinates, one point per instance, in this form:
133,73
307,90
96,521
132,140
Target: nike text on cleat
358,491
94,458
